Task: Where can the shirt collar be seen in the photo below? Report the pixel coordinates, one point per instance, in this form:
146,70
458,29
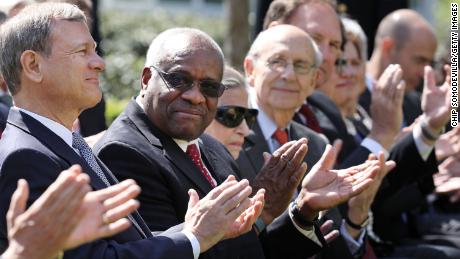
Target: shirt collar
55,127
180,142
183,144
370,81
267,125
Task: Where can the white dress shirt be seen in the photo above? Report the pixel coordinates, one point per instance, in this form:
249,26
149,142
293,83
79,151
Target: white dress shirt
66,135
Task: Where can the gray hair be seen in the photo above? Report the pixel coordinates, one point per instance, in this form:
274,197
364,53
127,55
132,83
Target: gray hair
31,29
355,34
233,79
265,36
158,54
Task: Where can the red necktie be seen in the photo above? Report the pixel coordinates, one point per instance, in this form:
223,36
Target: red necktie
194,154
281,136
369,253
312,121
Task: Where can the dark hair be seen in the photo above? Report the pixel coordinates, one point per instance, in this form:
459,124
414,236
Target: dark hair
282,10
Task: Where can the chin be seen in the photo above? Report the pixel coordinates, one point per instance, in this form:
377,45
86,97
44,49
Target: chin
184,133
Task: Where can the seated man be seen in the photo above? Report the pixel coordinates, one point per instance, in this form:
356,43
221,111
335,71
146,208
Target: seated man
42,47
158,141
66,215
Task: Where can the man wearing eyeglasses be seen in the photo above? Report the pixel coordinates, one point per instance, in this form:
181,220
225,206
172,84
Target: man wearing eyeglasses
51,68
158,141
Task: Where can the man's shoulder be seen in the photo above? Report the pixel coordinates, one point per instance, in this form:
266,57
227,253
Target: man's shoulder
122,132
312,136
15,139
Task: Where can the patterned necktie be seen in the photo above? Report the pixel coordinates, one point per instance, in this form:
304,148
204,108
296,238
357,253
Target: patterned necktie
194,154
281,136
312,121
85,151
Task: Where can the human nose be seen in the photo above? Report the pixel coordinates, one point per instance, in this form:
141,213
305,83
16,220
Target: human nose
194,94
288,71
243,128
97,63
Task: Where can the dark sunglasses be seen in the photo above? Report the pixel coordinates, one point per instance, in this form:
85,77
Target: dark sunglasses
183,82
232,116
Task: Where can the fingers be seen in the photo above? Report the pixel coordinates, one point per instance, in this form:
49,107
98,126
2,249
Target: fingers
297,161
113,190
122,197
364,180
447,82
238,210
292,157
114,228
273,161
299,174
372,156
389,165
331,236
64,196
384,78
193,199
120,211
337,146
327,160
399,95
214,193
326,226
394,81
18,202
428,78
234,195
266,156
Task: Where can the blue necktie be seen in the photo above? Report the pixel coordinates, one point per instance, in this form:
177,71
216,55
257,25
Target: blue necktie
85,151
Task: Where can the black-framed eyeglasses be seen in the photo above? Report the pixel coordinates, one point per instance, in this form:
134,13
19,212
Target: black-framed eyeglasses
231,116
184,82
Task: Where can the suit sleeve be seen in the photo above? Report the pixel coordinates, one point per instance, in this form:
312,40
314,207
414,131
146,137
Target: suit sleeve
40,171
282,240
157,200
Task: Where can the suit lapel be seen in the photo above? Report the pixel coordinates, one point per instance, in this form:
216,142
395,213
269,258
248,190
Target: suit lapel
171,150
254,146
212,163
54,143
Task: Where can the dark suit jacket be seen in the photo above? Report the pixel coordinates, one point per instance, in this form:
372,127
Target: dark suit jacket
134,148
251,161
334,127
403,189
31,151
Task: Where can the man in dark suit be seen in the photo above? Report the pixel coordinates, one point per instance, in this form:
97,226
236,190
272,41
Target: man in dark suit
277,92
48,59
69,213
158,141
319,20
404,37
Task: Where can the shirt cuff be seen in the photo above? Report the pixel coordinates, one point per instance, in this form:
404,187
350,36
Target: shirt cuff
374,147
423,149
353,244
194,241
308,233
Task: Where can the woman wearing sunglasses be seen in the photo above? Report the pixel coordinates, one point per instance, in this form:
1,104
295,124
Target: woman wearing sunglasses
233,118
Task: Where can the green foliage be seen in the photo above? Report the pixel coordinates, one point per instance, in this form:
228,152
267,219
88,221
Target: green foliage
125,40
113,107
